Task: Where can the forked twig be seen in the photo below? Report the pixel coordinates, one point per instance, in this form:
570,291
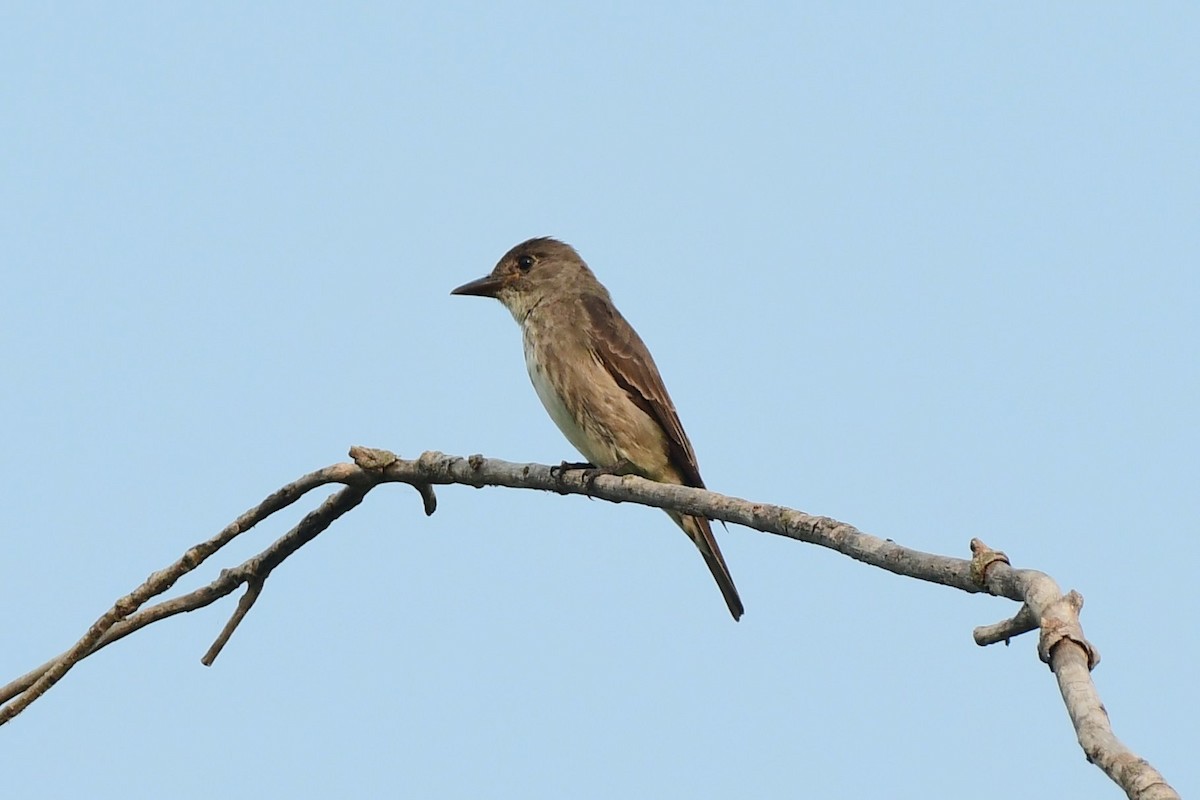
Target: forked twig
1061,644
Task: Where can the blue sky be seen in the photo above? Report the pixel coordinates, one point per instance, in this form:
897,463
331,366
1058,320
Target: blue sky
927,268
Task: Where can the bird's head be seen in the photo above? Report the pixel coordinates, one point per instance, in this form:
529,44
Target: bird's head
532,272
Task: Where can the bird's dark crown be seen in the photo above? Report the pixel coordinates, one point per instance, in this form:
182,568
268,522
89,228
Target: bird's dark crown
542,247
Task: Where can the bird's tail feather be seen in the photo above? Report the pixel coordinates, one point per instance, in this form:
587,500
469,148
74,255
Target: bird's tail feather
700,532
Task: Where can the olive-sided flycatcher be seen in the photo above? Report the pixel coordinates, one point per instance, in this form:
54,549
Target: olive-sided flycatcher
597,379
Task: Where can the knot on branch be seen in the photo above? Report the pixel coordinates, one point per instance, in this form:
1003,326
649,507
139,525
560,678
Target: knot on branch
1060,623
983,557
372,458
378,460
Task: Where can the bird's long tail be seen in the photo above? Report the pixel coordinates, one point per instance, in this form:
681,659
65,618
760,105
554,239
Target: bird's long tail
700,532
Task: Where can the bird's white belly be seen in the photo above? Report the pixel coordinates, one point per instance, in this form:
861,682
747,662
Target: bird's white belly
557,408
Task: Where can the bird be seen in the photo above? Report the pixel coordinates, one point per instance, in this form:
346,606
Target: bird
597,380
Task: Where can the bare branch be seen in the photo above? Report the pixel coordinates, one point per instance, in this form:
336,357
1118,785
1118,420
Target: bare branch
1061,645
35,683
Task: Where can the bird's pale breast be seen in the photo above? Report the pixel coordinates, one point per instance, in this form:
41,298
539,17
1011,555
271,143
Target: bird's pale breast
556,407
592,411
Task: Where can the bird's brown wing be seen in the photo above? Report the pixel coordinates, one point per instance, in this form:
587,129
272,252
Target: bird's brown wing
626,358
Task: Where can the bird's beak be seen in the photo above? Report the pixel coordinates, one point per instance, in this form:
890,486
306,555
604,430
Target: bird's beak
487,286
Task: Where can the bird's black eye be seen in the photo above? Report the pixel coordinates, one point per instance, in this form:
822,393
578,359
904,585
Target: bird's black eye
525,263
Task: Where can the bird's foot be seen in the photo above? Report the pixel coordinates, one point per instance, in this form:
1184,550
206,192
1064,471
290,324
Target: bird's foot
559,473
622,467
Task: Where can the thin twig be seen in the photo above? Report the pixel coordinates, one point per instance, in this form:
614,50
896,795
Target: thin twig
1023,622
253,590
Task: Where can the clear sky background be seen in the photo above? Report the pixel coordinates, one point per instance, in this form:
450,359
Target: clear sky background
930,269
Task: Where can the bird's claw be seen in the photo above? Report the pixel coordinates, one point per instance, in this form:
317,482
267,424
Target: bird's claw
559,473
590,475
592,472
